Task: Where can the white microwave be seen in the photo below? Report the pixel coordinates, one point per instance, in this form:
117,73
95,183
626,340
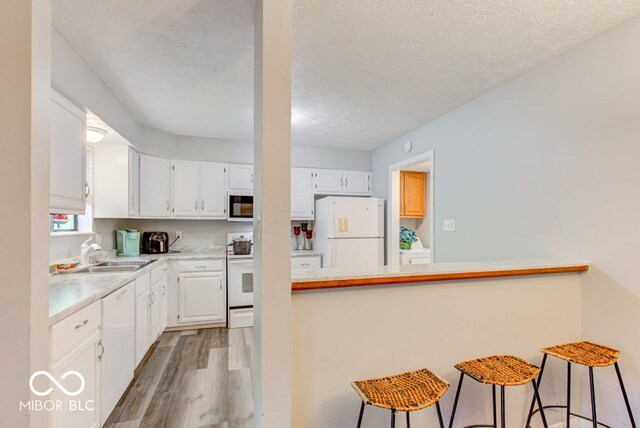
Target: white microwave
240,206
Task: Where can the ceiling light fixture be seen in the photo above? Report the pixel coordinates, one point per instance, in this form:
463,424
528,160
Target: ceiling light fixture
95,135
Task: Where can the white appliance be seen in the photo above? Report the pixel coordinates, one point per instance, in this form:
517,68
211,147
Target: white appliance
118,341
349,231
240,285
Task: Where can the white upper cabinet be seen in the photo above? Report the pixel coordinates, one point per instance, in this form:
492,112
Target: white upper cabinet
186,195
240,177
302,194
68,188
199,189
337,182
328,181
357,182
155,186
213,190
116,181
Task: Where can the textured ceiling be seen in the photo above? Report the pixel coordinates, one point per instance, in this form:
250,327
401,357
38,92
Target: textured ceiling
364,71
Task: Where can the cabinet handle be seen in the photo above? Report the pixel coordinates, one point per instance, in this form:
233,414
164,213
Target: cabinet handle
82,324
346,182
167,205
164,290
305,264
132,204
196,205
202,205
86,190
200,267
101,351
121,295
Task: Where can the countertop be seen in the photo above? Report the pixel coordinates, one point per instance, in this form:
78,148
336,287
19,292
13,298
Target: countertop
312,279
68,293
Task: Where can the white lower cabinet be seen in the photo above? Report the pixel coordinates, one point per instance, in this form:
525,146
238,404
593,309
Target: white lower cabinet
201,292
142,324
164,303
118,342
75,346
154,313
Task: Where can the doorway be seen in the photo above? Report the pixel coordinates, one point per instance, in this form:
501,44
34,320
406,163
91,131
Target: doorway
419,223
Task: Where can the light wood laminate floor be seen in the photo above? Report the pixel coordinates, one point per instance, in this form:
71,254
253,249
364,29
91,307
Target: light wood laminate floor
192,379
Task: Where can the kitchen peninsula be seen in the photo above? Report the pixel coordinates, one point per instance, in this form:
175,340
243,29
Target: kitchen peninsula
349,325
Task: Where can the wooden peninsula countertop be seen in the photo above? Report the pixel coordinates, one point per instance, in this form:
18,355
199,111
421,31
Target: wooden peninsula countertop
315,279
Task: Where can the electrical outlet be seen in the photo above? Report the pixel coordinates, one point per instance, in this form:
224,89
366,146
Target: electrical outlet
178,234
448,225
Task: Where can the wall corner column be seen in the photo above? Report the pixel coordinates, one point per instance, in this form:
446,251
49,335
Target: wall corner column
272,208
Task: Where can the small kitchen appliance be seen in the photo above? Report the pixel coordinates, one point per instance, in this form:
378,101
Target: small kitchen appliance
128,242
155,242
241,245
240,206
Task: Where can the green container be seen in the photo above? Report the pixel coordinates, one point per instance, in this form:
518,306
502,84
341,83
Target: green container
128,242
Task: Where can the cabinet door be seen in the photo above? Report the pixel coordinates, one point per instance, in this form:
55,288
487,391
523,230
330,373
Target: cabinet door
213,190
412,194
327,181
67,162
186,188
155,186
301,194
164,303
143,302
202,297
357,182
154,312
134,183
240,177
85,360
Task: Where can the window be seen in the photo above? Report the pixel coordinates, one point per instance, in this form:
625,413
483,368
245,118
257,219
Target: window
63,223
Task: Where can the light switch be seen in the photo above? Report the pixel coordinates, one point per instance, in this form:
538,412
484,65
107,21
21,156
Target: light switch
343,223
448,225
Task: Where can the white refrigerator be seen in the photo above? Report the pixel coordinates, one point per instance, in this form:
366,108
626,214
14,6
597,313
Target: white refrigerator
349,231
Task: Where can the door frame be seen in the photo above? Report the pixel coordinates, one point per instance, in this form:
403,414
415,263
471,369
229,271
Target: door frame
393,206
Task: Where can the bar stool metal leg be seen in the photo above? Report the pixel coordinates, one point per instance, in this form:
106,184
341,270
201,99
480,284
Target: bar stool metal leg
408,421
568,394
393,418
502,409
495,413
360,416
624,394
533,400
593,398
439,414
455,401
536,395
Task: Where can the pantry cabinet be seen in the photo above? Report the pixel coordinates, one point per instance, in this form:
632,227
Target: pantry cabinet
412,194
155,186
68,189
302,194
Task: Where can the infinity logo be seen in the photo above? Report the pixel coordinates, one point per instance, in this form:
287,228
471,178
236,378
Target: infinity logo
56,383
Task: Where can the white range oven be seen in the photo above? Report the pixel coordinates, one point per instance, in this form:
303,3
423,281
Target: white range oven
240,286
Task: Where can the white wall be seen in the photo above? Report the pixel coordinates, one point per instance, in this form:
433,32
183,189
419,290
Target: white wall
547,165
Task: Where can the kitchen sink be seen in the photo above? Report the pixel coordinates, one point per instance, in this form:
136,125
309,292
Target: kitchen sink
116,267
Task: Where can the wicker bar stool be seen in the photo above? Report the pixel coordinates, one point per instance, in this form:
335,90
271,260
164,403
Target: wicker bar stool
502,371
590,355
405,392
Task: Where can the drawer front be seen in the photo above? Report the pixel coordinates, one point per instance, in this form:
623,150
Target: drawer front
417,260
305,263
143,283
201,266
71,331
158,272
118,296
